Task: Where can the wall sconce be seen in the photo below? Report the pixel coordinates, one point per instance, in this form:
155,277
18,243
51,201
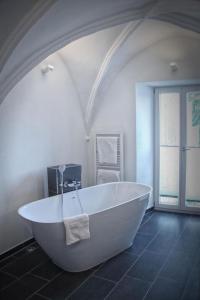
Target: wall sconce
173,66
45,69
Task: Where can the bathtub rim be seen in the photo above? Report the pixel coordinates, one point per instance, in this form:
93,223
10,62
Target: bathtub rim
59,221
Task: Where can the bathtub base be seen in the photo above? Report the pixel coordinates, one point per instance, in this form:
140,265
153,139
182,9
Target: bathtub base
88,267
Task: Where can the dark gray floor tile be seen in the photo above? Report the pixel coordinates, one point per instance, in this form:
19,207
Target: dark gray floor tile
187,243
16,291
162,243
146,218
147,266
169,222
63,285
192,290
5,279
178,266
34,283
193,226
129,289
149,227
139,243
197,258
159,232
25,263
165,289
48,270
115,268
94,288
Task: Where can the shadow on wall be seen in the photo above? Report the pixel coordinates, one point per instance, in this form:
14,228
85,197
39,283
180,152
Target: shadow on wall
28,188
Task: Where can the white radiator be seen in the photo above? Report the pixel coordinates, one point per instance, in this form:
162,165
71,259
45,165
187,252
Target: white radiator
119,166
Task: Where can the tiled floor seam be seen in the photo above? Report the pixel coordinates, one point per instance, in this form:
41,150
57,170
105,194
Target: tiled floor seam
38,290
36,293
7,286
188,279
82,283
147,220
14,280
100,277
42,296
29,271
6,259
125,274
156,277
19,277
40,277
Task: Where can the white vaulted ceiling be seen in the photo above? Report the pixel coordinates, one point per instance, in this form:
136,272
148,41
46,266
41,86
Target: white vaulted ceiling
30,32
95,61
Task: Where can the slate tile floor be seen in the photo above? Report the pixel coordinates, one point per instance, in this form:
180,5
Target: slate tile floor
162,264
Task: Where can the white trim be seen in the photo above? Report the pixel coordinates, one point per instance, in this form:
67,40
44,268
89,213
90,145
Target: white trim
182,157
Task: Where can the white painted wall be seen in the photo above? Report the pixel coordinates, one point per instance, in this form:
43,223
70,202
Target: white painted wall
145,136
40,125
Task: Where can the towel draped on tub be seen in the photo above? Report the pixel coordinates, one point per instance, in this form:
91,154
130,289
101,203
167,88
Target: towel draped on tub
77,228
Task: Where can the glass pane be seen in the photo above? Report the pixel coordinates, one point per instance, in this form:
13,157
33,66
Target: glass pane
169,107
193,178
169,115
169,175
192,196
193,119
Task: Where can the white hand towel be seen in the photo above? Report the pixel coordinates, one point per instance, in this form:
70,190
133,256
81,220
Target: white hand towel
77,228
104,176
107,150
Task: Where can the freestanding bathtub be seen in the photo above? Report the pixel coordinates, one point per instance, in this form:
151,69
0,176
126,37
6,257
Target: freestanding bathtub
115,212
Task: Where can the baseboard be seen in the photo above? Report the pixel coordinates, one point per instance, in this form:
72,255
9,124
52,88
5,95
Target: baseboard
16,248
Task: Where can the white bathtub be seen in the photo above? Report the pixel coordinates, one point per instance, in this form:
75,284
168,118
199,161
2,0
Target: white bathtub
115,212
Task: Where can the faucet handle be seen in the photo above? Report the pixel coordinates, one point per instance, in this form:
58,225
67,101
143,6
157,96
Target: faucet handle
77,183
66,184
72,184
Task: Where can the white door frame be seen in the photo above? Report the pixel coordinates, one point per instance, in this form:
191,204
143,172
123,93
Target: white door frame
182,158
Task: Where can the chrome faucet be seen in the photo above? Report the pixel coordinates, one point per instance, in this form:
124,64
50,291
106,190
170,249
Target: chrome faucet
74,184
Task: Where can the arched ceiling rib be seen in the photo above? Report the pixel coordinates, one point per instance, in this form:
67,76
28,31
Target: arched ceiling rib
104,67
129,29
127,45
92,48
67,20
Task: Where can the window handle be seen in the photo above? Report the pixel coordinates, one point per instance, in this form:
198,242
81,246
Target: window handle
185,149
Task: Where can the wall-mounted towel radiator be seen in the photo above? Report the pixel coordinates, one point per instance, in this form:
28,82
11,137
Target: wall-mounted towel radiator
119,166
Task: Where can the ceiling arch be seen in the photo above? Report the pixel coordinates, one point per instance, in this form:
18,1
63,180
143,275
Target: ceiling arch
131,40
146,37
22,17
65,21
